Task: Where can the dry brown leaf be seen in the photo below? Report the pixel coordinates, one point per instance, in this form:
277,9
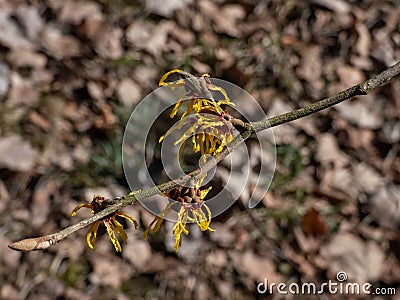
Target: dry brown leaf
80,115
167,8
225,57
138,252
222,235
27,58
328,151
313,223
60,45
149,37
272,202
128,92
33,24
72,248
363,43
305,266
385,205
307,244
111,272
22,91
74,293
208,8
138,33
75,12
17,154
383,49
199,67
4,79
358,137
367,178
338,6
309,125
338,183
283,134
64,159
185,37
310,69
216,260
198,22
202,290
95,90
337,180
10,35
362,62
40,121
146,76
41,202
362,112
8,292
225,289
107,118
350,76
160,263
82,151
108,44
363,261
9,259
4,196
257,268
391,130
227,19
92,28
41,79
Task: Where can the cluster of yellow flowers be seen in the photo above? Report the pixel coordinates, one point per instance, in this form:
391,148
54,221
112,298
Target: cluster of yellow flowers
197,212
210,133
113,227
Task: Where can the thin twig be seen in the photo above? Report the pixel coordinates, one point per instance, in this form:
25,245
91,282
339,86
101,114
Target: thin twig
364,88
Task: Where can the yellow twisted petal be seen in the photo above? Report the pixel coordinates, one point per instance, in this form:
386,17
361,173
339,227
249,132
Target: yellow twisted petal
111,233
165,76
128,217
92,235
73,213
119,229
158,220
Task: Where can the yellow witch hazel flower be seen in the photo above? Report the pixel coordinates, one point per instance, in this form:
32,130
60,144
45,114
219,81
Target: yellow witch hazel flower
114,228
211,131
197,212
209,135
191,212
196,93
209,128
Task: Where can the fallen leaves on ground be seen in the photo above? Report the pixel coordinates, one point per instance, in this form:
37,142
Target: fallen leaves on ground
72,71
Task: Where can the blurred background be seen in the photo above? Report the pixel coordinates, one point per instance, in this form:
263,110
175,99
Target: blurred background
71,73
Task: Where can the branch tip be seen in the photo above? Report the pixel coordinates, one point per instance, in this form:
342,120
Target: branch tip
31,244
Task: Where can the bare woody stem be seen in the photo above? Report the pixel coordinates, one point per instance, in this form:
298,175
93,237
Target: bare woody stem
43,242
